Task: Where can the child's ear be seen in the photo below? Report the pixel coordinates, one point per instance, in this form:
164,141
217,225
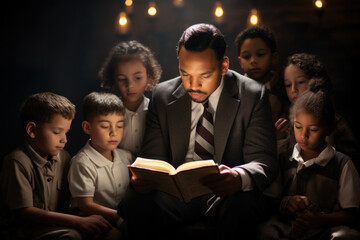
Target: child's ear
275,57
86,127
30,129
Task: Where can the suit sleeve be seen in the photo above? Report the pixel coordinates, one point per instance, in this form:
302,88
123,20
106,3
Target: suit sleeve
153,145
260,144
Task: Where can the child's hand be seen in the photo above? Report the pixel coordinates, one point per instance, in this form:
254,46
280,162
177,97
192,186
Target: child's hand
297,203
142,186
306,220
282,127
94,225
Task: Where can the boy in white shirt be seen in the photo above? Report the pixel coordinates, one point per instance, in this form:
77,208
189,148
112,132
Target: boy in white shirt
98,175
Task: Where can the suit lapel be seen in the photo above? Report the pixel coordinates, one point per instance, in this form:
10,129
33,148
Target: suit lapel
179,117
226,112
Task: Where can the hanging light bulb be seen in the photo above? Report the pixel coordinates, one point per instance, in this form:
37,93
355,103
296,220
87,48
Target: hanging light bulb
254,18
123,23
152,9
129,6
319,4
178,3
218,12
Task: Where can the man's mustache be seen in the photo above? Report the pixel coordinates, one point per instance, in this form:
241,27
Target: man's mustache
195,91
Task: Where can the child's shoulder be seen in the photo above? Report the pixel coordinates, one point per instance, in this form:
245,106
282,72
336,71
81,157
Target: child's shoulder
125,155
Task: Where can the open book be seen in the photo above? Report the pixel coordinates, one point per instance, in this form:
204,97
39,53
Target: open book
183,182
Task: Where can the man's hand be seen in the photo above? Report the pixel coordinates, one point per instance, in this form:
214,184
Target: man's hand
142,186
225,183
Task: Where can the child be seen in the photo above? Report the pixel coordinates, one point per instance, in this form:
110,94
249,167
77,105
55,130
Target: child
320,186
298,70
256,48
33,178
98,174
130,69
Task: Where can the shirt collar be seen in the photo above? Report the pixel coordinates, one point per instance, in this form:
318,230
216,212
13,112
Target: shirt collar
97,158
37,159
322,159
143,107
214,97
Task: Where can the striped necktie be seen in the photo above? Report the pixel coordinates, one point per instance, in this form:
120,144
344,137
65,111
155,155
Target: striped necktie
204,137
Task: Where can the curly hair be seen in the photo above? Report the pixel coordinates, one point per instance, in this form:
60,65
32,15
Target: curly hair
262,32
126,51
310,64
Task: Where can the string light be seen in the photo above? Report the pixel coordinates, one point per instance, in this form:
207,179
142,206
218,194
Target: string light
128,3
319,4
254,18
218,12
152,9
123,24
178,3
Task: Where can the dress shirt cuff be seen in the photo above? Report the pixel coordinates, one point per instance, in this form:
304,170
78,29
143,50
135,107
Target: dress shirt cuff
247,184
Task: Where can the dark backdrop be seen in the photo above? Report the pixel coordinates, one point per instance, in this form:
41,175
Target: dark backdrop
59,46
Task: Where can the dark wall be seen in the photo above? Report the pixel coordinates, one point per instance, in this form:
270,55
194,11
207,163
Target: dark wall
59,46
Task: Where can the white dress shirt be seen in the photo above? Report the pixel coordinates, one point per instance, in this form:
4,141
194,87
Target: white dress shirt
197,110
134,128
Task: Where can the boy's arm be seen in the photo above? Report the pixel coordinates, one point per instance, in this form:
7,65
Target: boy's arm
88,206
93,224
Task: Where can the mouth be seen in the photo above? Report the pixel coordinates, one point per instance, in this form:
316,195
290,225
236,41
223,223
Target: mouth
255,70
113,142
302,144
131,94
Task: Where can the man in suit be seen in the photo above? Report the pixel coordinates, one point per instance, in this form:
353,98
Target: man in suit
243,144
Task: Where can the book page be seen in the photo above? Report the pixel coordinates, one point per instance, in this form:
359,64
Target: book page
157,165
195,164
189,181
163,181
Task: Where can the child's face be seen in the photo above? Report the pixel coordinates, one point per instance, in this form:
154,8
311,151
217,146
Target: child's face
296,82
105,131
50,138
131,79
310,133
256,58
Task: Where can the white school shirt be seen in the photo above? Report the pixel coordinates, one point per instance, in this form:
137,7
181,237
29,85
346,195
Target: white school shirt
134,128
93,175
349,182
197,110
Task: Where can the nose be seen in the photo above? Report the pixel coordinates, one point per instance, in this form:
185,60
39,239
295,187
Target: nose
195,84
293,88
253,60
113,131
63,139
304,134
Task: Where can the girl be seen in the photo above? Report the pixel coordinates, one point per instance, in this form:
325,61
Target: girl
319,185
130,70
298,70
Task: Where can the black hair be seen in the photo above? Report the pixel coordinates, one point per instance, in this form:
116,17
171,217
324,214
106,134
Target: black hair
262,32
202,36
317,101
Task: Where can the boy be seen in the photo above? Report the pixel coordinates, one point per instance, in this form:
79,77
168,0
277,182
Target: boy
98,174
33,178
256,49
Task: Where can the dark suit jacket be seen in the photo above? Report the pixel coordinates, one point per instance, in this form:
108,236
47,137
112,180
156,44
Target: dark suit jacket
243,131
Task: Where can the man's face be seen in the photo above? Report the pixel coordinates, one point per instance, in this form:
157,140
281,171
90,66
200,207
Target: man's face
201,72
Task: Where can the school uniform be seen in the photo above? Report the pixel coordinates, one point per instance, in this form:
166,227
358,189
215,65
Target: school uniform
28,180
327,180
